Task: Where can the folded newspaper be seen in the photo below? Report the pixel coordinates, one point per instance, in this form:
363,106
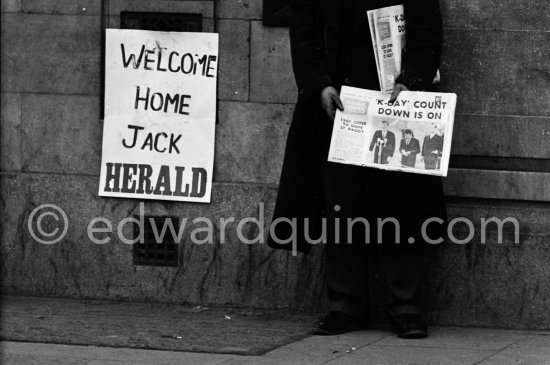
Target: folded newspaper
412,134
387,29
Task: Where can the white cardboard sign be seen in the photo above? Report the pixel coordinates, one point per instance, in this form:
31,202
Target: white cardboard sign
160,111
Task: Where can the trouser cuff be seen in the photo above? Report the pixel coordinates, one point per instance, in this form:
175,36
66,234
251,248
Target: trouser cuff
405,309
354,310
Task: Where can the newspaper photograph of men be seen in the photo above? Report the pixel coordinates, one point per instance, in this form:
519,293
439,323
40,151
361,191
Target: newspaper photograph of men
411,153
383,143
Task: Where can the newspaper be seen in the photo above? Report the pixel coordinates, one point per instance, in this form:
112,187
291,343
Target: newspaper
413,134
387,29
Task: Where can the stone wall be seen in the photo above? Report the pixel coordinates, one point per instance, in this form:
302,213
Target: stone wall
495,59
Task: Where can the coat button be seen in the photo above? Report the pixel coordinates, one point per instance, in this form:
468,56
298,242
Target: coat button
347,80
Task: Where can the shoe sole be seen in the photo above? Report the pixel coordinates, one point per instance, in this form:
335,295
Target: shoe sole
413,335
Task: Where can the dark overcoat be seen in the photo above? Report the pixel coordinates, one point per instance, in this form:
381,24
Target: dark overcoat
323,35
387,150
413,148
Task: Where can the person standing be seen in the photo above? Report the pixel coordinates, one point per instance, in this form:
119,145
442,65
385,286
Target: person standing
409,148
330,47
432,148
383,143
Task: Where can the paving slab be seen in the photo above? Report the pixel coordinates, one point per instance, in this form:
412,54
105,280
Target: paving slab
459,338
521,354
150,326
536,340
444,346
314,349
382,355
15,353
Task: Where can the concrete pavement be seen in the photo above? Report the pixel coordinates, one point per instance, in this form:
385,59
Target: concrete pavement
446,345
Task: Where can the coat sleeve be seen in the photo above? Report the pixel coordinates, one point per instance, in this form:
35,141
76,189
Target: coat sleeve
307,62
390,146
423,44
416,146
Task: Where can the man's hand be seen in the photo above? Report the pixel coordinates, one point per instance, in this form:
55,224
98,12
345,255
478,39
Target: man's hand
397,88
330,100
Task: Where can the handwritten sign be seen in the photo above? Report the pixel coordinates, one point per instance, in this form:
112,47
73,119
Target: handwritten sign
160,110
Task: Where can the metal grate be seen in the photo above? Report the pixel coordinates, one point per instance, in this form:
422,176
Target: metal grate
151,252
166,22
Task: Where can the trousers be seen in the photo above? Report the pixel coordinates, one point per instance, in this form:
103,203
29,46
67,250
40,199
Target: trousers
349,193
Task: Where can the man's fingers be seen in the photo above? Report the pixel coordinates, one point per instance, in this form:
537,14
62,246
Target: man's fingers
329,110
330,101
338,102
395,92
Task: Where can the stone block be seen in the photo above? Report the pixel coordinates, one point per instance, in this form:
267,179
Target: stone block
501,136
11,132
61,134
231,272
494,184
208,25
113,21
495,14
83,7
495,284
51,54
10,6
271,76
250,141
538,71
487,70
234,60
503,286
239,9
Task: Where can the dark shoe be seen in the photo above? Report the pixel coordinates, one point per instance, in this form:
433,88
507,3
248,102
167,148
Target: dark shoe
409,326
335,323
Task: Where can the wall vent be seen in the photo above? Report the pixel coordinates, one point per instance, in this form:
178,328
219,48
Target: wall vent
151,252
166,22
